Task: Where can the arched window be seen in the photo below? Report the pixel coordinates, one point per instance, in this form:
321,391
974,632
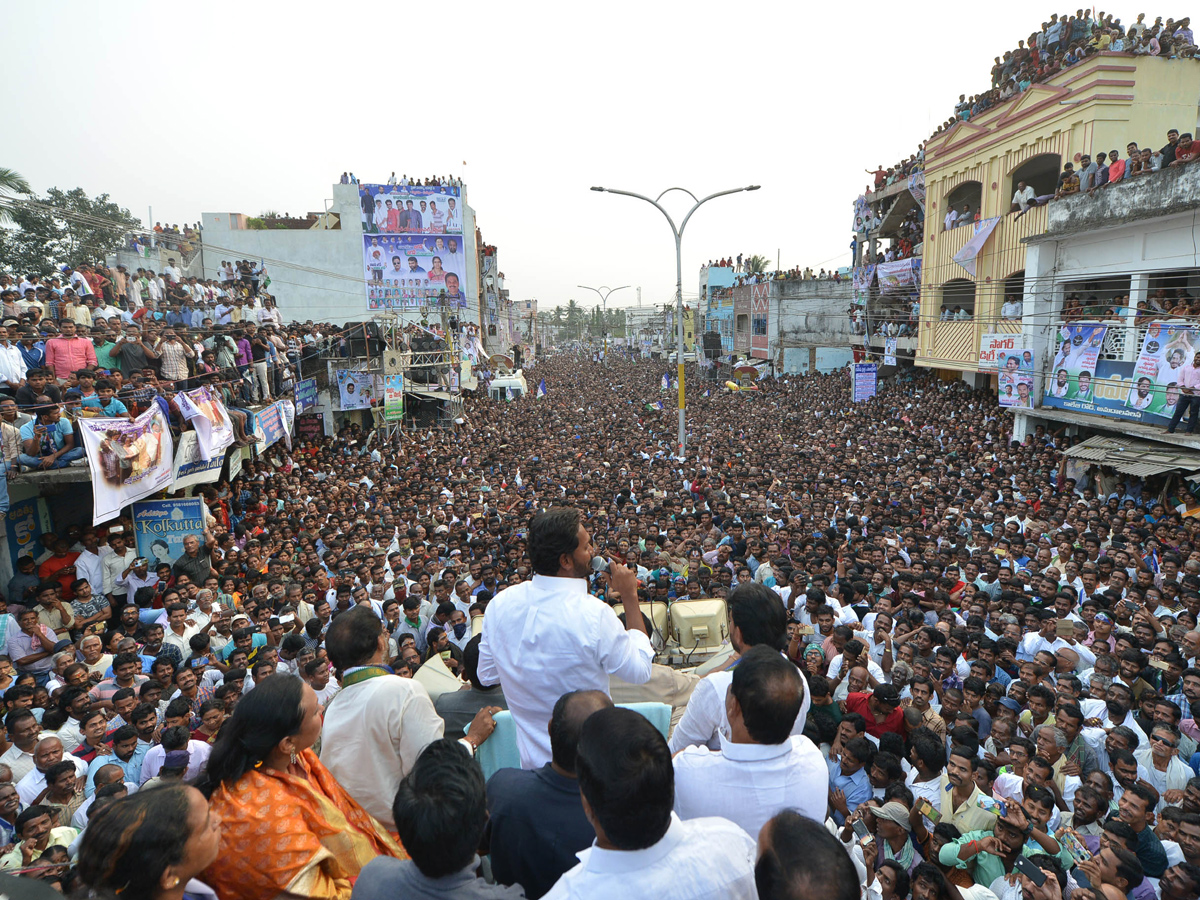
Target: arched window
958,299
1039,172
964,203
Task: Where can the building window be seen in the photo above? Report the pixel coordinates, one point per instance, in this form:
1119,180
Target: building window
962,205
743,324
958,300
760,325
1039,173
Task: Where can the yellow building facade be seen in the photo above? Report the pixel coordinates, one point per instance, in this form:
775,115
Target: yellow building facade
1099,105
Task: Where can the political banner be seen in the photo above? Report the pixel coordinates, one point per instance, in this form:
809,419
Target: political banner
410,271
190,467
24,523
306,394
203,408
310,427
916,186
270,427
1166,350
413,247
411,209
161,526
966,256
866,377
898,274
1004,352
1016,389
1077,350
889,351
129,459
355,389
393,398
862,215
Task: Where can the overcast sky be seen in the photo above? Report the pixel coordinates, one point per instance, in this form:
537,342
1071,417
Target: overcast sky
243,107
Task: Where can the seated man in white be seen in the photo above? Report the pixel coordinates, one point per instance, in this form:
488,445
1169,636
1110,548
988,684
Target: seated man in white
756,616
761,768
642,849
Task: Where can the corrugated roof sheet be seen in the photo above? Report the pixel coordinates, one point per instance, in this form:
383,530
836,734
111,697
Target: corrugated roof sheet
1133,457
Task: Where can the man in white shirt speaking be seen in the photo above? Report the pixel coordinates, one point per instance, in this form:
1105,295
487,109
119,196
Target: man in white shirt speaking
642,849
761,768
548,636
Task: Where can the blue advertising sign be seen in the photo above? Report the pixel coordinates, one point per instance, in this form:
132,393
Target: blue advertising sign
161,526
865,381
23,525
269,426
1116,391
306,394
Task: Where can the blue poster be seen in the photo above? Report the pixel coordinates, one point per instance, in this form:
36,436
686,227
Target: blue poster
161,526
306,394
269,426
865,381
23,525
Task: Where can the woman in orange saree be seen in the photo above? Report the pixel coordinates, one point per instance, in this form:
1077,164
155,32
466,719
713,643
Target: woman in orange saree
290,830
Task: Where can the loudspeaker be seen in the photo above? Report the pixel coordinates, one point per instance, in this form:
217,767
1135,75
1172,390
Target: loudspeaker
517,361
712,344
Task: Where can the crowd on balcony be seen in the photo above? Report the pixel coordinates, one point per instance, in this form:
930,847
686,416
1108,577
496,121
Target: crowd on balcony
1065,41
93,341
898,172
895,315
1109,168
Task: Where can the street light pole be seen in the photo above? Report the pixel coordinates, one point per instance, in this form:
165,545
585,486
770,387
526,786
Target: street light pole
678,232
604,310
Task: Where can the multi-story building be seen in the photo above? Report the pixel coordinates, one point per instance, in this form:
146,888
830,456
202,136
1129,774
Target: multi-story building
1101,104
716,302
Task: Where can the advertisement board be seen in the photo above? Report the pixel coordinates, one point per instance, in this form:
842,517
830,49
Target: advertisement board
996,351
393,398
413,249
190,467
306,394
161,526
865,384
310,427
1071,380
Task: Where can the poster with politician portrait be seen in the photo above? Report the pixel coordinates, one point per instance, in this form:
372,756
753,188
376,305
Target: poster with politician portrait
411,209
129,459
409,271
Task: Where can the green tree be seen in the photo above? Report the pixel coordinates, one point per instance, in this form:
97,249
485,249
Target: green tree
756,264
574,321
69,227
12,182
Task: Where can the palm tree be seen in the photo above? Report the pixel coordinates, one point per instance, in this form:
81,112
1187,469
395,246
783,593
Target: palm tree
12,182
756,265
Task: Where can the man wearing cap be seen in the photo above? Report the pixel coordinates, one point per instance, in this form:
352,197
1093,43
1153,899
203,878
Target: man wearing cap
881,709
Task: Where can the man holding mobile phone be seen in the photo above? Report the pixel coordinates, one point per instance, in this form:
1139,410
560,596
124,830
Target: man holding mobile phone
574,642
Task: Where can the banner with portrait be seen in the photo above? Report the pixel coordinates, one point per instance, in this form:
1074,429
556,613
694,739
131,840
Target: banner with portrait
898,274
411,209
355,389
393,398
1166,349
1004,352
1071,382
1016,389
207,414
409,271
269,426
161,526
889,351
129,459
862,215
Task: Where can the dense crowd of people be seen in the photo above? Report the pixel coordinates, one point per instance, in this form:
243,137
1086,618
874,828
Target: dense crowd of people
958,666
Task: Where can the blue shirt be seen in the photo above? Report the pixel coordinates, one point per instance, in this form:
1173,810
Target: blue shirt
132,767
59,432
34,356
115,407
856,787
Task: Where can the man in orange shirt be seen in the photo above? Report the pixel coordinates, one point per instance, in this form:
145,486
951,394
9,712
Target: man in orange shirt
60,566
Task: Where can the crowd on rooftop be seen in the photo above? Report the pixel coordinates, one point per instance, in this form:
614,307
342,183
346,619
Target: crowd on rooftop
953,652
1064,41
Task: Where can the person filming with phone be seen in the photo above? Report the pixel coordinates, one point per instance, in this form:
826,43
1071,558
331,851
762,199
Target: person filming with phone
545,637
